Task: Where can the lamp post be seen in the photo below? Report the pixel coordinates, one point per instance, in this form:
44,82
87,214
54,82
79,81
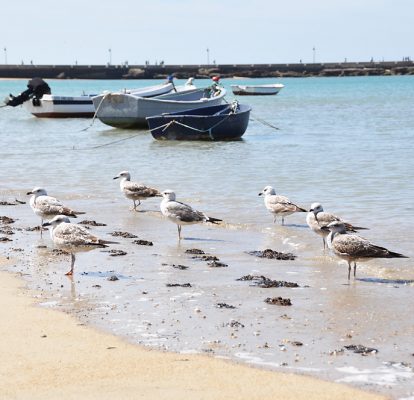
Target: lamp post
314,54
110,56
5,55
208,56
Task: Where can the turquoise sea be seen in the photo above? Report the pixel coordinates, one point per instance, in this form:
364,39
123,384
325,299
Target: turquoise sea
347,143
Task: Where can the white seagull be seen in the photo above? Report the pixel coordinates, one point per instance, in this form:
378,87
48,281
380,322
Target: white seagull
317,219
135,191
73,238
278,205
180,213
353,248
47,207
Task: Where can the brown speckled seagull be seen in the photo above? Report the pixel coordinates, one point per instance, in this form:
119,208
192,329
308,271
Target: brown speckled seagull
135,191
278,205
353,248
317,219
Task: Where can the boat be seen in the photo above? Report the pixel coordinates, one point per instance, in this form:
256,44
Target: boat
39,101
257,90
220,122
123,110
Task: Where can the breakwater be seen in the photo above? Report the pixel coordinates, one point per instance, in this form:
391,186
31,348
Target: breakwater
125,71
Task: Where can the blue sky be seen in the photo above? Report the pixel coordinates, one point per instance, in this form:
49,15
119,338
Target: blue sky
181,31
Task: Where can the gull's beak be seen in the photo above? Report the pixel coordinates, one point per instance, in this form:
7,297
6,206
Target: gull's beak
116,177
311,210
29,193
325,228
46,224
260,194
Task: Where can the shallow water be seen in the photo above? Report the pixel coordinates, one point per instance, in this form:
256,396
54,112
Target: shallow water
344,142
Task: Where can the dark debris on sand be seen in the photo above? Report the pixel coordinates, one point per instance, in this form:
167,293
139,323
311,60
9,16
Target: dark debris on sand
113,278
35,228
125,235
15,203
6,230
5,239
216,264
272,254
59,252
117,253
178,285
194,251
224,305
360,349
6,220
234,324
278,301
177,266
91,223
143,242
206,257
264,282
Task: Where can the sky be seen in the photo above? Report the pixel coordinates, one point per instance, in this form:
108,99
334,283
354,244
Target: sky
91,32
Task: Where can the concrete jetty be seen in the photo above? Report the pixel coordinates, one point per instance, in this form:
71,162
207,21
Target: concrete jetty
125,71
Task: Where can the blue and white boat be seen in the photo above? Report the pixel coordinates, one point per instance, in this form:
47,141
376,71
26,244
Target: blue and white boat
220,122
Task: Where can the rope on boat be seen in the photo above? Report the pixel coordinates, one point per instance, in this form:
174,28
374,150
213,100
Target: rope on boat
96,111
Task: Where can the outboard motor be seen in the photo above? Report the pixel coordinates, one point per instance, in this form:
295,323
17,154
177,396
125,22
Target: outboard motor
37,87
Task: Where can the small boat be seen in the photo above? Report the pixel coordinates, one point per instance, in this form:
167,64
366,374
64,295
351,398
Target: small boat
220,122
257,90
39,101
123,110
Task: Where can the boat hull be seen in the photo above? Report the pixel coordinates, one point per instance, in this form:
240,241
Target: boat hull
129,111
51,106
210,123
256,90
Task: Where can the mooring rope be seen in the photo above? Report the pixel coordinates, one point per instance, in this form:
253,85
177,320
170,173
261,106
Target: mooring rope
96,111
255,118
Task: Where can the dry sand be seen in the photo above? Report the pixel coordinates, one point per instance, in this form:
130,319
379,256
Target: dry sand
46,354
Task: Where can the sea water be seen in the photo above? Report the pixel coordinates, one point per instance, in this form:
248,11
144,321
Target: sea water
347,143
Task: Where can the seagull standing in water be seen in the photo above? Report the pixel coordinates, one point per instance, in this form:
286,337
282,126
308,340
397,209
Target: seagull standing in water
278,205
353,248
180,213
47,207
135,191
73,238
317,219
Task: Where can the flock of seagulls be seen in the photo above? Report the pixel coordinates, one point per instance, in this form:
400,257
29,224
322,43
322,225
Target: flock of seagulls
337,234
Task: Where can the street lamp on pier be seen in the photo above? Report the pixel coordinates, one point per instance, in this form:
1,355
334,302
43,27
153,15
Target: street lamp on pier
5,55
314,50
208,56
110,56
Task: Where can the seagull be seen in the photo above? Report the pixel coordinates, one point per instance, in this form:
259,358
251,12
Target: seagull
317,219
73,238
135,191
353,248
180,213
278,205
47,207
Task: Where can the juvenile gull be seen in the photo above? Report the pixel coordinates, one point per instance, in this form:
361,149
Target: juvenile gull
135,191
278,205
353,248
73,238
317,219
47,207
180,213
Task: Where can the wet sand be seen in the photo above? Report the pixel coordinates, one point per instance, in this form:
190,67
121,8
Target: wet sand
48,354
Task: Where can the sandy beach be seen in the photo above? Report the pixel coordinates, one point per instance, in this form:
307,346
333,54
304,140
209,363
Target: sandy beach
48,354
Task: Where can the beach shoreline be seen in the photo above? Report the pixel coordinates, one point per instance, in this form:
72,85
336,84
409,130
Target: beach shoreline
49,354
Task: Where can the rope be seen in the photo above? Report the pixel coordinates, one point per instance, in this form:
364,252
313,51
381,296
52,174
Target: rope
264,122
96,111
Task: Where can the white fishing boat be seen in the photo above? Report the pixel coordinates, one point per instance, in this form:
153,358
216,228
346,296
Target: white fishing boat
257,90
123,110
39,101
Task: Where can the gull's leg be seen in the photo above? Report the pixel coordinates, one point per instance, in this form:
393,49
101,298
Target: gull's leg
179,231
324,243
283,221
354,268
349,270
72,264
41,227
